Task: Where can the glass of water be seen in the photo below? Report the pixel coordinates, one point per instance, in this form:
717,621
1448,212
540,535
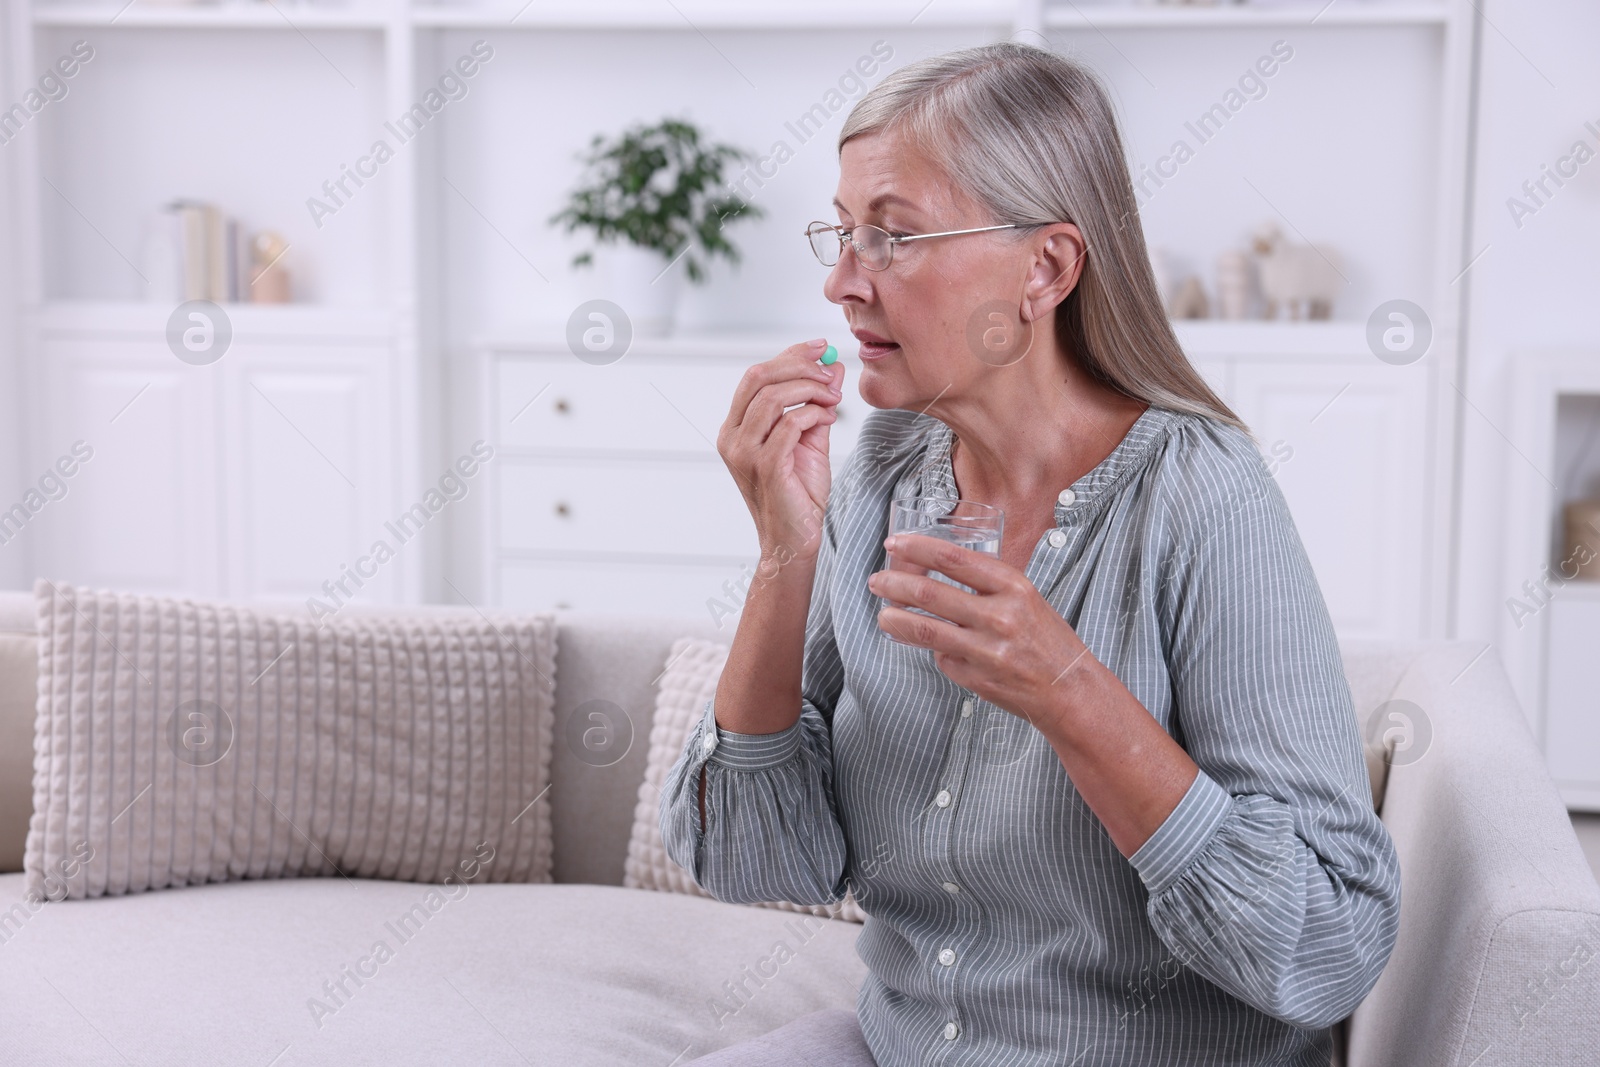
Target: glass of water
963,522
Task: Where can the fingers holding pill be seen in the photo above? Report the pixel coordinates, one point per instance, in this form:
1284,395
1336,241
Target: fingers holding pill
770,401
775,439
797,362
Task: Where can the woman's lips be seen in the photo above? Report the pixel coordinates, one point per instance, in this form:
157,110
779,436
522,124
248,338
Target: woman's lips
877,349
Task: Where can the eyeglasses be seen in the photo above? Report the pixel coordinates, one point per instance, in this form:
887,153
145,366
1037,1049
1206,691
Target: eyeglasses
874,246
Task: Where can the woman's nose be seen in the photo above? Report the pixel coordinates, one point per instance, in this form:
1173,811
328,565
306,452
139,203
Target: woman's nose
847,277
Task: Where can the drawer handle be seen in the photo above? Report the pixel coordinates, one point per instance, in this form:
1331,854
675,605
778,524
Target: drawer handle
562,509
562,406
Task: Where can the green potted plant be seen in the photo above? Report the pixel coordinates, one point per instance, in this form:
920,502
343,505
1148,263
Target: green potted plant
650,195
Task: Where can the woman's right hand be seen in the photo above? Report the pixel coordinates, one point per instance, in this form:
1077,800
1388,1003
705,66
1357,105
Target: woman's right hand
780,458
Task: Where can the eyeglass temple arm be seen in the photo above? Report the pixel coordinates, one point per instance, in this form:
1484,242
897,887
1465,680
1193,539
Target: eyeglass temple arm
840,230
952,233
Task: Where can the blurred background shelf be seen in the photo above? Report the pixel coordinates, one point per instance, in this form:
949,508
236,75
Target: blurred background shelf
725,15
284,321
1549,628
1299,15
572,14
245,16
1201,338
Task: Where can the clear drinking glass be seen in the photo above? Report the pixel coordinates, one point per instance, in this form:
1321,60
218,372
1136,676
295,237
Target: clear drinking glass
963,522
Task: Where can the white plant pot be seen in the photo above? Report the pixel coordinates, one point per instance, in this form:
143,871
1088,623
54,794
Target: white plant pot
642,284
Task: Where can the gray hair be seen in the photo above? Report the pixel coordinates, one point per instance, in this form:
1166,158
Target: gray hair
1032,137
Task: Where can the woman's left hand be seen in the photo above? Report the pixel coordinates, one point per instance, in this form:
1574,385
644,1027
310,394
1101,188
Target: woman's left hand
1004,642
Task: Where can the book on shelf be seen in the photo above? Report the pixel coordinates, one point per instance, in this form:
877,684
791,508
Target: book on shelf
196,252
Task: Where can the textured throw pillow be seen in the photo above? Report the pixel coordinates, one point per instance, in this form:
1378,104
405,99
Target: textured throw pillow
693,667
179,742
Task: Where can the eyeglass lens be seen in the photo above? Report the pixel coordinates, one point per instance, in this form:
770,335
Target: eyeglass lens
871,244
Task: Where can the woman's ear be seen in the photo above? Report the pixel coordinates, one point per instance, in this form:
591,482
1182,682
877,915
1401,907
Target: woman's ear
1059,252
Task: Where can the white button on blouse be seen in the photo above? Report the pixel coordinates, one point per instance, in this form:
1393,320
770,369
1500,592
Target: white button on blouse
1057,538
947,956
1067,496
943,799
950,1031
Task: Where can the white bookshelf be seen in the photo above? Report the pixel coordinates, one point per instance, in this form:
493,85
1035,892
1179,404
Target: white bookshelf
1549,653
258,476
452,257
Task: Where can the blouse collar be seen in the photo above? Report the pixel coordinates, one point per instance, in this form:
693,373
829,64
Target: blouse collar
1082,497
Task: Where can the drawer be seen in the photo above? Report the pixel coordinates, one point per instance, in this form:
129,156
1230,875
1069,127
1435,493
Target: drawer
655,407
638,507
700,591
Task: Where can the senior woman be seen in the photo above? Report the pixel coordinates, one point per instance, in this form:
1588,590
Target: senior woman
1110,806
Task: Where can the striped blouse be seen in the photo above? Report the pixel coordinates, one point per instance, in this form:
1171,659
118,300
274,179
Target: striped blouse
1004,927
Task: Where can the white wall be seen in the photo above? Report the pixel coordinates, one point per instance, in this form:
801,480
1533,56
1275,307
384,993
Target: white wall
1538,284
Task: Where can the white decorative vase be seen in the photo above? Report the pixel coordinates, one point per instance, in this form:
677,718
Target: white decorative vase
646,285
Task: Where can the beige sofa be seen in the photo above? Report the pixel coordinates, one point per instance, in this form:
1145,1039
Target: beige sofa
1500,915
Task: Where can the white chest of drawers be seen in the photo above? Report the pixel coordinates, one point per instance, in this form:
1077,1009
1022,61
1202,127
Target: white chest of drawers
606,492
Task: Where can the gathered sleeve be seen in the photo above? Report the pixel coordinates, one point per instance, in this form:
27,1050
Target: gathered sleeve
772,830
1273,877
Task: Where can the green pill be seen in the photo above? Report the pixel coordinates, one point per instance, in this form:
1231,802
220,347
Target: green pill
830,356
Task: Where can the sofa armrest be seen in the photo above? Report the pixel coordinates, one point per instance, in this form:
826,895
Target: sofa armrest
1500,914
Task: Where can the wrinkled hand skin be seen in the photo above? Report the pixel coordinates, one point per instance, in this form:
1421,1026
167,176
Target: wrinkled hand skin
1003,642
